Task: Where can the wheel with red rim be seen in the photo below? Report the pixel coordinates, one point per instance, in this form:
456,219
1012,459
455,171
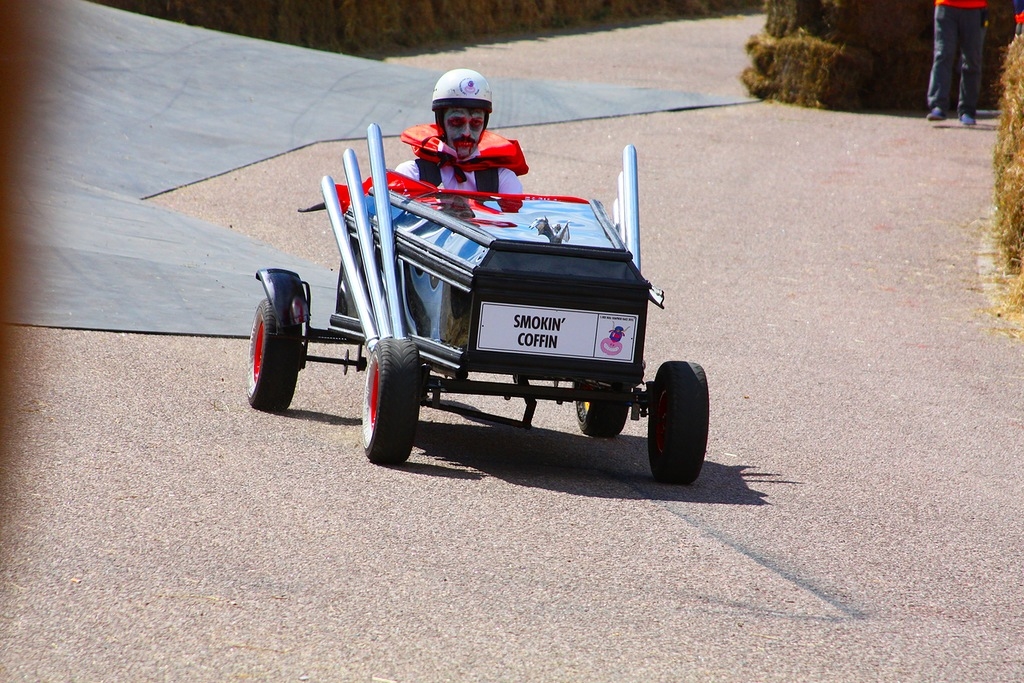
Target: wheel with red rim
677,426
391,401
275,357
603,419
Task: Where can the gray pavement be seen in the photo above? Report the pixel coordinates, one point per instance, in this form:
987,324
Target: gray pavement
859,516
136,106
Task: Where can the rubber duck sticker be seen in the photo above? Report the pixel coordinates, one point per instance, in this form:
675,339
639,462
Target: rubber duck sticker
612,345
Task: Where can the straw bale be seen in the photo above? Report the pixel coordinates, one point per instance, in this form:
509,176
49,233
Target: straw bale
354,27
899,79
897,36
853,22
877,24
787,17
805,70
1015,298
1008,160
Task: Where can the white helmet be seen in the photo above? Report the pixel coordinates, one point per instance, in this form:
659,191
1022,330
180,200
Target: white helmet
462,88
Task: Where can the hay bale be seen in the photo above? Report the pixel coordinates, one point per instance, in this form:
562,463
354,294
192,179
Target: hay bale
878,25
897,36
1008,160
862,23
787,17
354,27
808,71
1015,298
899,79
1009,225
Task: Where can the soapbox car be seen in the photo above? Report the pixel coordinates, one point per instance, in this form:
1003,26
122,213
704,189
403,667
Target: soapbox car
527,297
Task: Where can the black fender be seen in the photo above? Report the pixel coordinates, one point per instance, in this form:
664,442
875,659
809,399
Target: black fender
287,294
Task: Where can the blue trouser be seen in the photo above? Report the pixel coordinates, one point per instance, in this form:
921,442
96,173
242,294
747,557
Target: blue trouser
966,27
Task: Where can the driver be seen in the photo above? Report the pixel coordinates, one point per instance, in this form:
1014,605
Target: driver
457,152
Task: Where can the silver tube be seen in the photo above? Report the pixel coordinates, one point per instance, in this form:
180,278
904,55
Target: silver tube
353,274
617,210
364,233
385,229
631,199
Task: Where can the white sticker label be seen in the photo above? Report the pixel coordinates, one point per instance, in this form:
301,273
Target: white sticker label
556,332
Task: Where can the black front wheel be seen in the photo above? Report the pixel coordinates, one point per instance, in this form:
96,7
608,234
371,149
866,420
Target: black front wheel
677,429
275,357
391,402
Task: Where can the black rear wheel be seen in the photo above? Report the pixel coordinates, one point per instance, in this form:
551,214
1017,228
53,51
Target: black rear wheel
275,357
391,402
677,429
603,419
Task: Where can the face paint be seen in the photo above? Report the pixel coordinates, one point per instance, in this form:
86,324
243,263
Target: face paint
463,128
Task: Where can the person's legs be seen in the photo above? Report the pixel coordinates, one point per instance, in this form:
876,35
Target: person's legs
972,37
942,61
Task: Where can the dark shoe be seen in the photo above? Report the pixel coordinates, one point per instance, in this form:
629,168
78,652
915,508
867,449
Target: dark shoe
967,120
936,115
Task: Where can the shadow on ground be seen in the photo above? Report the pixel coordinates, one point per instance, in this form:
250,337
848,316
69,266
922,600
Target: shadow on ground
572,463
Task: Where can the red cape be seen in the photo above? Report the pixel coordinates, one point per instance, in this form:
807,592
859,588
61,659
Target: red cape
494,150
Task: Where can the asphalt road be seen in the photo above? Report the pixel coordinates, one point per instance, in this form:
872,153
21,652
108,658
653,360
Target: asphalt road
859,516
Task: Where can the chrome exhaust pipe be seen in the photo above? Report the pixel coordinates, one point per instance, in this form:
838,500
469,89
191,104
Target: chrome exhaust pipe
364,235
385,228
353,273
629,200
